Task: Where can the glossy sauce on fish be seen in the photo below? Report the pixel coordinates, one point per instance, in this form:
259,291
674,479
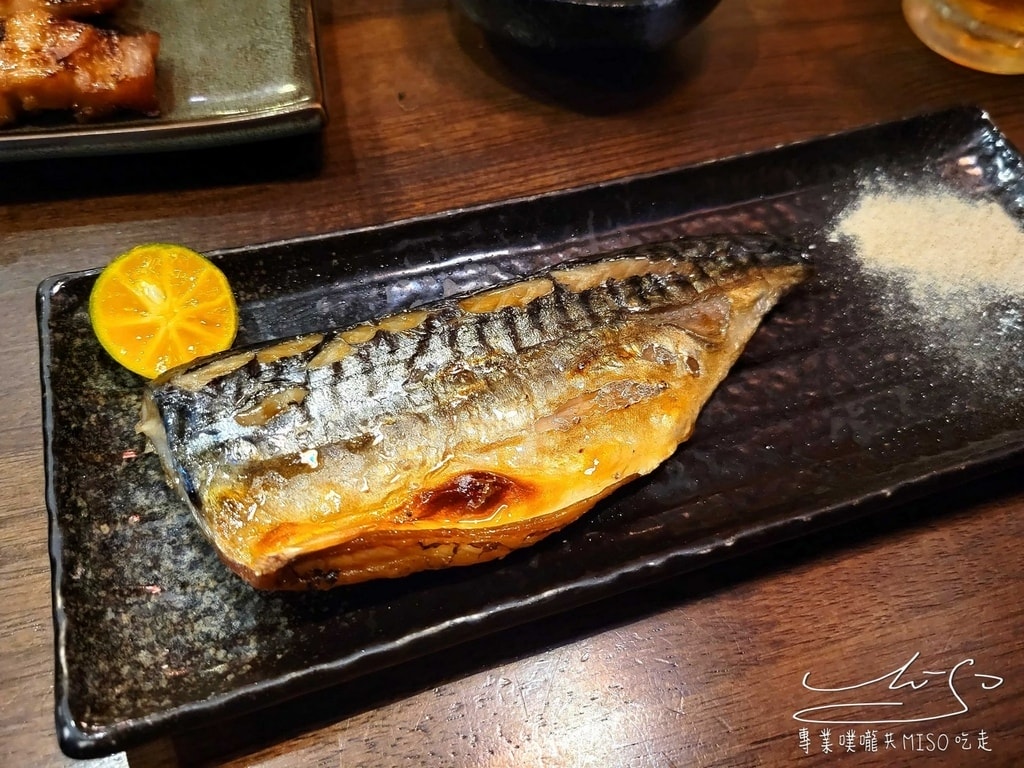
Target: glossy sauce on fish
459,431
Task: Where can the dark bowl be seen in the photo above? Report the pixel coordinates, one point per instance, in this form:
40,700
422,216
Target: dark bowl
646,25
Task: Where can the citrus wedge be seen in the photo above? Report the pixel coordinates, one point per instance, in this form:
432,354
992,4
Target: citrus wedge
158,306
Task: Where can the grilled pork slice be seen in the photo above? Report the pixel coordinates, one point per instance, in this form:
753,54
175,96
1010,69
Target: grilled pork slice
65,9
50,63
457,432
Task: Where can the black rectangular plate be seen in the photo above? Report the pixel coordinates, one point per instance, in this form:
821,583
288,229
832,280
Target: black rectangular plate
833,412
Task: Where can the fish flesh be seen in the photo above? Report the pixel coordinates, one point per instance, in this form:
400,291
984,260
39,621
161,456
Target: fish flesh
50,62
459,431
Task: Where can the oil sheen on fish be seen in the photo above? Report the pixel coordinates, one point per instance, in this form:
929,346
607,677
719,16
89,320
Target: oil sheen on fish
456,432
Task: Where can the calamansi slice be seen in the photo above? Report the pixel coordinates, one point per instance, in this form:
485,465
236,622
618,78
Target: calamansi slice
160,305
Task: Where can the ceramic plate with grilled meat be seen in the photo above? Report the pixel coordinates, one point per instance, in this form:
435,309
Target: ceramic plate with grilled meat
455,433
263,84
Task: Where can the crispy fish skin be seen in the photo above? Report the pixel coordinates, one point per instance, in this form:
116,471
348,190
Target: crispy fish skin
457,432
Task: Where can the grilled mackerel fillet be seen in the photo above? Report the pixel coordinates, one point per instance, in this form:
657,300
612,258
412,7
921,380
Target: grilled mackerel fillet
457,432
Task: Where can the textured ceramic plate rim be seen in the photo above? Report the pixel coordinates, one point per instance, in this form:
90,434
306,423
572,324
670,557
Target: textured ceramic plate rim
92,742
169,133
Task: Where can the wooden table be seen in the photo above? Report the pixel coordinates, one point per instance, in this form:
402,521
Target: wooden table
424,118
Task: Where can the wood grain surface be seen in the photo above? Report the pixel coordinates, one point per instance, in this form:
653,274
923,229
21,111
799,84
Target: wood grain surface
425,116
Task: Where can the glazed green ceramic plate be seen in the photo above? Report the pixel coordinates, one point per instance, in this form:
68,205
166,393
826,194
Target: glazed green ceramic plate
228,72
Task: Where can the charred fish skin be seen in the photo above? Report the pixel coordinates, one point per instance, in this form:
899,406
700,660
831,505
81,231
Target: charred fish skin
458,431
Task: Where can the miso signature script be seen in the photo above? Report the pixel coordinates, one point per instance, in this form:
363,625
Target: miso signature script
899,707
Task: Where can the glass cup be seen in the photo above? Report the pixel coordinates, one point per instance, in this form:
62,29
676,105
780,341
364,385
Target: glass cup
982,34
